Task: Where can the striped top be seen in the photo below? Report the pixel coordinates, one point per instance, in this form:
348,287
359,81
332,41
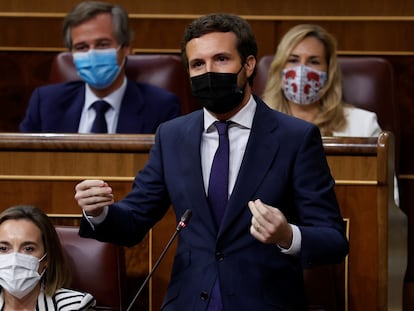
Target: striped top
62,300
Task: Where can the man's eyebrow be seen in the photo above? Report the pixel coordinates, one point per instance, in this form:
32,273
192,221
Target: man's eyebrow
80,43
93,41
103,39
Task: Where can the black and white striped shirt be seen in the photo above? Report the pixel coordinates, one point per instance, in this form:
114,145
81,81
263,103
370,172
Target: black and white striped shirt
62,300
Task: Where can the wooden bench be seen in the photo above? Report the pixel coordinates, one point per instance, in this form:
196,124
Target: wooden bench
42,169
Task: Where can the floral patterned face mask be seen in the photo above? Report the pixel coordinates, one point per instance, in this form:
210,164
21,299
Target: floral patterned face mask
302,84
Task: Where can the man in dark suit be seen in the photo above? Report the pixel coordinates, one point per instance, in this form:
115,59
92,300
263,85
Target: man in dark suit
280,213
98,35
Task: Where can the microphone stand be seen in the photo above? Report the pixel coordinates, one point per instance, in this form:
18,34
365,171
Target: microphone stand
182,224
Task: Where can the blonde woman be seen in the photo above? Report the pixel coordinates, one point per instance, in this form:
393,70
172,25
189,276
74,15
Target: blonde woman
305,81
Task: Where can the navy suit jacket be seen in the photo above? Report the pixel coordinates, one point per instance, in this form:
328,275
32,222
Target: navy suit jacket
57,108
284,165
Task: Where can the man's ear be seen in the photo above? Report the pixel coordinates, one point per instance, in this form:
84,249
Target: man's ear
126,49
250,65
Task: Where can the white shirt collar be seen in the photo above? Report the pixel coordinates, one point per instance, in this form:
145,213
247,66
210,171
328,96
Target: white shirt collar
244,118
114,99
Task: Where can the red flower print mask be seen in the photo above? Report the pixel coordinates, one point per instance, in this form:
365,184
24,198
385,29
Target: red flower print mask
302,84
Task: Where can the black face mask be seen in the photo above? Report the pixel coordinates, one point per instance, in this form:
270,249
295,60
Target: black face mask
217,92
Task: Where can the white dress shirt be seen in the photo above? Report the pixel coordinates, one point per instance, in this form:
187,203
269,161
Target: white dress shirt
88,113
239,132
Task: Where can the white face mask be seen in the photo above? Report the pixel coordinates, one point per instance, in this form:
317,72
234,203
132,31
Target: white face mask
18,273
302,84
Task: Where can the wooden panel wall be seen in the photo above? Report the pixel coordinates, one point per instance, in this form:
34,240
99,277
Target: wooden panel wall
31,35
356,35
245,7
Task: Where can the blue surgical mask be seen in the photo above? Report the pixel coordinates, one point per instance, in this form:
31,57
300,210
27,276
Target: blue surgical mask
98,68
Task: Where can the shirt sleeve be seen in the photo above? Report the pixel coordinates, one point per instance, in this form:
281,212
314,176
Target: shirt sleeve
294,248
94,221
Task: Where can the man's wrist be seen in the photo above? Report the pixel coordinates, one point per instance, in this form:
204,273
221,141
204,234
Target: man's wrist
295,246
96,220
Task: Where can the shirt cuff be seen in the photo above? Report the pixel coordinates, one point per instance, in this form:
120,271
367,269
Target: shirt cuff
96,220
294,248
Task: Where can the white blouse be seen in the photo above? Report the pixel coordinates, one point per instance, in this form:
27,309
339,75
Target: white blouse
360,123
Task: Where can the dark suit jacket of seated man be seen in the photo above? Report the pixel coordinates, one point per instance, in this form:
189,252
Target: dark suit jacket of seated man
57,108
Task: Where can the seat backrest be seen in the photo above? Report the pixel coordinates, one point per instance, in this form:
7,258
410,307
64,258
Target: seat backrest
163,70
97,268
367,83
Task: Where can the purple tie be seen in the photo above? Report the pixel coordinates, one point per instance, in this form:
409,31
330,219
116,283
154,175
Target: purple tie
99,124
218,189
218,186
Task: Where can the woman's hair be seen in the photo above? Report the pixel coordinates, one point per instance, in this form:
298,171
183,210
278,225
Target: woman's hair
221,22
87,10
331,117
58,272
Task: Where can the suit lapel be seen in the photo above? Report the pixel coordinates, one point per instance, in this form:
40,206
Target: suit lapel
129,120
189,151
261,149
70,122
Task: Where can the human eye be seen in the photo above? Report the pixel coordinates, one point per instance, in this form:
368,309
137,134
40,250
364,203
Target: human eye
292,60
197,64
315,62
103,44
4,249
222,58
80,48
28,249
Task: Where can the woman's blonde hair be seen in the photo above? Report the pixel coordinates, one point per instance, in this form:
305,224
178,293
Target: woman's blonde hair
331,117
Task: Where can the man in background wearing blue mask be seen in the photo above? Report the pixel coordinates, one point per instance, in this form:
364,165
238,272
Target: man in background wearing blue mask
105,101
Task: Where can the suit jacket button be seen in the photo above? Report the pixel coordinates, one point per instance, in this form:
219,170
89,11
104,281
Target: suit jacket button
219,256
204,295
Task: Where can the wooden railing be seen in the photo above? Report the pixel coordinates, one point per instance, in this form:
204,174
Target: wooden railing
42,170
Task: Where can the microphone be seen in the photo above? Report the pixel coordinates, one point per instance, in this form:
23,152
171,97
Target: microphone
184,221
185,218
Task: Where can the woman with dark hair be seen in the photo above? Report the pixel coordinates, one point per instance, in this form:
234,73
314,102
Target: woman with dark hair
33,267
